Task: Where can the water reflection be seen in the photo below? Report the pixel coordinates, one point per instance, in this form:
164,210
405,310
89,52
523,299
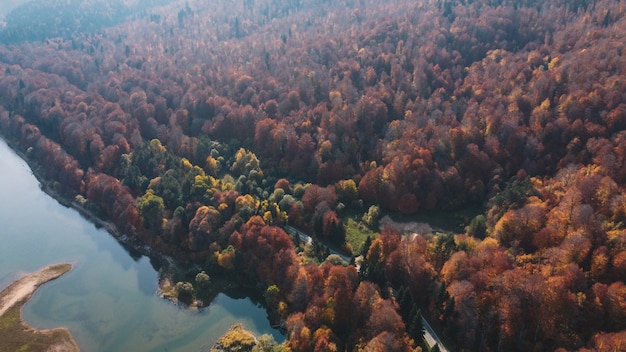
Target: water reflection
108,300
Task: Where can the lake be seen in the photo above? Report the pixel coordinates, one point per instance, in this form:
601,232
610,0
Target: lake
108,301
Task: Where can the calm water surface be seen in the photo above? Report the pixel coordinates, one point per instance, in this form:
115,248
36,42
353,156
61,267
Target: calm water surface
108,301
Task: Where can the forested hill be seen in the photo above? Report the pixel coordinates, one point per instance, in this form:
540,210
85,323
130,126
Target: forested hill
6,7
201,128
39,20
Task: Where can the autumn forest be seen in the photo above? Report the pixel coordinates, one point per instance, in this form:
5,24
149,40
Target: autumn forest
206,130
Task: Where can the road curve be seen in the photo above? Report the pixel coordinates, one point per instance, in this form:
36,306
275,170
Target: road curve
308,240
429,334
431,337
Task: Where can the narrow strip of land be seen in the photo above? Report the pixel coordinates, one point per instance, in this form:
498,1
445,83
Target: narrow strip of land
14,334
23,288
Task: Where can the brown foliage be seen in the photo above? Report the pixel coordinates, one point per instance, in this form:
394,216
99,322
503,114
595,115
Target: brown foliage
423,105
315,195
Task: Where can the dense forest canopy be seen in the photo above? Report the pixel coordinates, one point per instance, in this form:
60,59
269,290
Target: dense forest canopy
6,6
39,20
203,129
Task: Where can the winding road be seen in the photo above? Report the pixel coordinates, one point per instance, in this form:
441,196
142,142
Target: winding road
308,240
430,336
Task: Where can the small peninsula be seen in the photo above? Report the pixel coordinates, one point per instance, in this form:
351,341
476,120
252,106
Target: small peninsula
15,335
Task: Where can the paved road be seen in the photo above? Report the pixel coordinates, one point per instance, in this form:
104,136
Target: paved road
429,334
431,337
295,232
308,240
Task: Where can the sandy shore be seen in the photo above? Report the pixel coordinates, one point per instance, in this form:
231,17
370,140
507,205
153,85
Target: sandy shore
22,289
13,297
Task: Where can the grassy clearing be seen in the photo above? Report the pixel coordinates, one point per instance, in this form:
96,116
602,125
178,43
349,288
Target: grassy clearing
8,320
448,221
17,336
356,234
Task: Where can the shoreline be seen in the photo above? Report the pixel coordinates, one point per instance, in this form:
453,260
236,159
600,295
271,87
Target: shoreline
167,265
15,334
47,186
